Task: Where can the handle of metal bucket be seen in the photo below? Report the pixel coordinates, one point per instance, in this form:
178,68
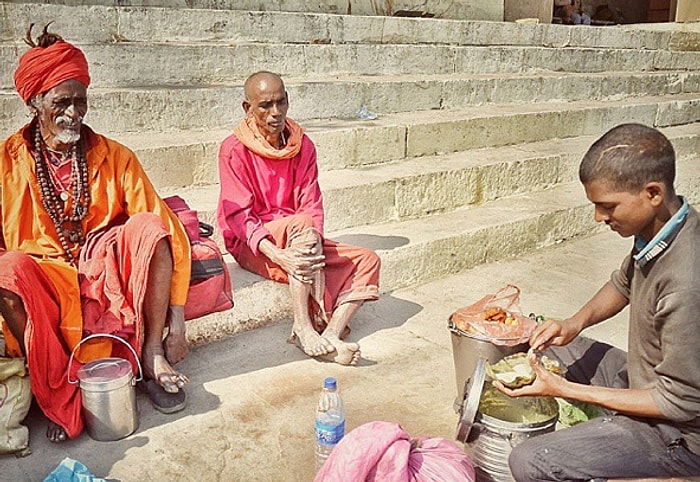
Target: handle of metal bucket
453,328
105,335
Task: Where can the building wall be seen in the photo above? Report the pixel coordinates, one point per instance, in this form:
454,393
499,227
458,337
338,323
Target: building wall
540,9
687,10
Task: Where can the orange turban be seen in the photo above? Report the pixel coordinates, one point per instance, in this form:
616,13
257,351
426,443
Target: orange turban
41,69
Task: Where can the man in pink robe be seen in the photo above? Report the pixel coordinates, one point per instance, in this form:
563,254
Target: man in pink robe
271,215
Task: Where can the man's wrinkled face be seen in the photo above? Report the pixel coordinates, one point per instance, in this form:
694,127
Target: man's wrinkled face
626,213
60,113
267,102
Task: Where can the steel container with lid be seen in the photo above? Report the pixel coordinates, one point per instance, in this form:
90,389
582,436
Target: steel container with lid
108,395
468,349
492,423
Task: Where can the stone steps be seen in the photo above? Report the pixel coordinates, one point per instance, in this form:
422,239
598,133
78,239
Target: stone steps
465,209
459,9
419,250
216,107
415,251
352,143
147,24
151,64
188,76
416,187
473,157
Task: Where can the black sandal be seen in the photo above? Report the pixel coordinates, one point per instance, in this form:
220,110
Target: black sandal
164,402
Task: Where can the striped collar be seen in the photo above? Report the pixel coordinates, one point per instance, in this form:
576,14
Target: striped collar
649,250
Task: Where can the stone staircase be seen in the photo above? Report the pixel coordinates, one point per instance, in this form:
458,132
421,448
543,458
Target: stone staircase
455,9
473,157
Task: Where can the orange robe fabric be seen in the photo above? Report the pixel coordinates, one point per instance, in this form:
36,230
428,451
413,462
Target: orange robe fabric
119,189
112,279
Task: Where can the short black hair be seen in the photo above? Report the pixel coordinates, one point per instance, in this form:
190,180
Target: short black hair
628,157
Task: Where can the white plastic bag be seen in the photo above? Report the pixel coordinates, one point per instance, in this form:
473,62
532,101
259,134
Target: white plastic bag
15,399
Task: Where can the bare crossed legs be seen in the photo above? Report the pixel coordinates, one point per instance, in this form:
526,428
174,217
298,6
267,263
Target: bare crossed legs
328,345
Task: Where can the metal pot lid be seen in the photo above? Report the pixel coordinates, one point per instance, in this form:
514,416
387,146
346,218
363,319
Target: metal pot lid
104,370
473,388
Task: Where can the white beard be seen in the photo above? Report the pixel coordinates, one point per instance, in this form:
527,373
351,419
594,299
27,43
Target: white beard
70,130
68,136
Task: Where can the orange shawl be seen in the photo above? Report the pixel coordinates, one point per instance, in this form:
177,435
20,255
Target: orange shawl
251,137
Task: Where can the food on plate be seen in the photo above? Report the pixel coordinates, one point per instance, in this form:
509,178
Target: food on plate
514,371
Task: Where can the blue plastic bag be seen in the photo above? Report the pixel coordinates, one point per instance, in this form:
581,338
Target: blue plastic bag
70,470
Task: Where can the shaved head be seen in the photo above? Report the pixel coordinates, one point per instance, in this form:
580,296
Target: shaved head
261,80
266,102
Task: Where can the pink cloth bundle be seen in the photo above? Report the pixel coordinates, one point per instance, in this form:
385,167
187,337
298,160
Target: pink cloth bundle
384,452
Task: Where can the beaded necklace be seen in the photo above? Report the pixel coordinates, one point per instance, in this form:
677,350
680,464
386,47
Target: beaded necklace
68,226
56,171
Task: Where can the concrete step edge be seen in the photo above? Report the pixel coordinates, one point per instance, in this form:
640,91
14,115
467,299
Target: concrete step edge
354,143
176,65
417,251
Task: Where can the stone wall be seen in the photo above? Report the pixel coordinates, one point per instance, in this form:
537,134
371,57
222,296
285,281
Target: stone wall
451,9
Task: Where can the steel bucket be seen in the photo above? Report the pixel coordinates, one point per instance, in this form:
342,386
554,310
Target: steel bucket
492,423
494,435
108,394
468,349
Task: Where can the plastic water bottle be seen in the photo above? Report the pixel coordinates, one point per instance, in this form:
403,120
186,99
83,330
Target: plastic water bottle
330,421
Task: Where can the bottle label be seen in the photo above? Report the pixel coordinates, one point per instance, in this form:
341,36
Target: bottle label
329,434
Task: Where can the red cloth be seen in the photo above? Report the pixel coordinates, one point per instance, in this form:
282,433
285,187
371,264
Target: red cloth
257,189
112,275
41,69
47,355
351,272
383,451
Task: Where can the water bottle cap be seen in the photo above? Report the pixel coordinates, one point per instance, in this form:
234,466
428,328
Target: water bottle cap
330,383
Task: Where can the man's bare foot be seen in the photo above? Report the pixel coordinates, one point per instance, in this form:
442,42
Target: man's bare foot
157,368
55,433
310,342
345,353
176,347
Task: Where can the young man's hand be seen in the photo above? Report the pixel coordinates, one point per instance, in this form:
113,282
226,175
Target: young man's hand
553,332
546,384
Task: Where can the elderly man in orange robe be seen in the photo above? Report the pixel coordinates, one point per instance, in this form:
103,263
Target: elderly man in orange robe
86,246
271,214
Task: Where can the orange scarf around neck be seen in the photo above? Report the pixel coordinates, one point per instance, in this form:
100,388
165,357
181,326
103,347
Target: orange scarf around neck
249,134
